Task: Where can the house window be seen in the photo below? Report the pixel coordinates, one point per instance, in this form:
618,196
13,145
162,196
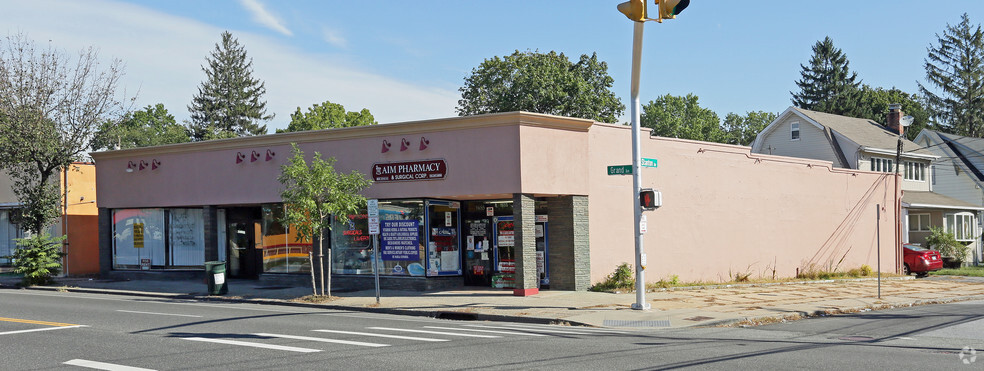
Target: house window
881,164
919,223
794,130
961,225
915,171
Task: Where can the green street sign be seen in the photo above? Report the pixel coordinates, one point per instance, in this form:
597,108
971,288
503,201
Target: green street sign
620,170
648,162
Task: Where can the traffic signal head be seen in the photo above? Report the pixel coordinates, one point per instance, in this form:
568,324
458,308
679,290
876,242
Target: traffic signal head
668,9
634,10
650,199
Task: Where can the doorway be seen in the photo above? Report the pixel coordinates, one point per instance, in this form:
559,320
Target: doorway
243,243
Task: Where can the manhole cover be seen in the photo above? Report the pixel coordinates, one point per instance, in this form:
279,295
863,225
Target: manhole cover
856,338
627,323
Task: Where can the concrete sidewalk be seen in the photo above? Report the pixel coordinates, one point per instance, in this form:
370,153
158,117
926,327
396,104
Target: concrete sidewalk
683,307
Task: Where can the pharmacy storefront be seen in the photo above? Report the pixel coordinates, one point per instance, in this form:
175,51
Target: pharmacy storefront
470,201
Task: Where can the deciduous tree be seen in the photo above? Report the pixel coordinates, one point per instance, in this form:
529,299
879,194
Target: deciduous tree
229,102
682,117
151,126
312,194
543,83
742,130
327,115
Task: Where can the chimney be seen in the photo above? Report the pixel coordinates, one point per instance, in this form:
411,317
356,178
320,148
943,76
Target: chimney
894,117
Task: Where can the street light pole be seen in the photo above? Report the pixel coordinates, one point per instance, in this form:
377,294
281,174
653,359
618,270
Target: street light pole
640,254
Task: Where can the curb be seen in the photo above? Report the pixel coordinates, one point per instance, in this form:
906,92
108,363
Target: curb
437,314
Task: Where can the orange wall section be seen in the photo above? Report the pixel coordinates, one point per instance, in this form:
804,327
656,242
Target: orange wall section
80,221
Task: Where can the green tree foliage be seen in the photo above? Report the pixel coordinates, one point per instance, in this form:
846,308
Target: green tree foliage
873,105
742,130
682,117
38,258
955,66
51,104
543,83
312,194
151,126
827,84
228,103
947,244
327,115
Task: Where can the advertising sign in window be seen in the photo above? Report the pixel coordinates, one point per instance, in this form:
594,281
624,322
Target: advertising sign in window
400,240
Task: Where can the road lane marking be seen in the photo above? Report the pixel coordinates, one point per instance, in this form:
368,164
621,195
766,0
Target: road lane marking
103,365
489,331
41,329
255,345
159,314
433,332
587,329
310,338
380,335
33,322
531,329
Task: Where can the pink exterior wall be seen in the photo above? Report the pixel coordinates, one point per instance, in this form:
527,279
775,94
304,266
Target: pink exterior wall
729,212
726,211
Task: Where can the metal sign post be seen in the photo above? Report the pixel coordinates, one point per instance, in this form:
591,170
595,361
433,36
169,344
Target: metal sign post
373,206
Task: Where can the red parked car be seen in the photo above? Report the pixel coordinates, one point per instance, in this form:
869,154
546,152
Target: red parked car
920,260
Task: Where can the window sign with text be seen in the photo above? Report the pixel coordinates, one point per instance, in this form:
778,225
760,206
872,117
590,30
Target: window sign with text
400,240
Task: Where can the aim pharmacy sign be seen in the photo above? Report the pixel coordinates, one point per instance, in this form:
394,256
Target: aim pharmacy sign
435,169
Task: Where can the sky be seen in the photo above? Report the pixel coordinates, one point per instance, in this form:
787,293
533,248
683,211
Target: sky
406,60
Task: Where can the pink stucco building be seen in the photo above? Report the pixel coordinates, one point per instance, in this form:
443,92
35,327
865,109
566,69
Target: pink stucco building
515,200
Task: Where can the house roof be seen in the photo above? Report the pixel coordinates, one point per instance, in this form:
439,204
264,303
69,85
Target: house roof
864,132
960,148
933,200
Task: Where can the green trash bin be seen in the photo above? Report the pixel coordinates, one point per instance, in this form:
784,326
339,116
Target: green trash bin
215,273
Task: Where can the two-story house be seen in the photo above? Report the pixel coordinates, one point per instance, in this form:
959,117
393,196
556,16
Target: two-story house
863,144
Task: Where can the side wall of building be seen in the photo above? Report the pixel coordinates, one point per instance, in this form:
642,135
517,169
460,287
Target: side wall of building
812,142
727,212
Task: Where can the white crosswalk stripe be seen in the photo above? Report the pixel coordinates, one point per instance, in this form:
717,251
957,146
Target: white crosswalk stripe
433,332
555,327
489,331
381,335
254,345
323,340
533,329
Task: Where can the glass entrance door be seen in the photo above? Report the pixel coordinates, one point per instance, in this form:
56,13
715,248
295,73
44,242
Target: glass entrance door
242,252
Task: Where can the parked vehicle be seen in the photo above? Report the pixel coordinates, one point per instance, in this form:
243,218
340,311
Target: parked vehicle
920,260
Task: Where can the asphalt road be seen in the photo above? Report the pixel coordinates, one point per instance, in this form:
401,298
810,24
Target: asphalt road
75,331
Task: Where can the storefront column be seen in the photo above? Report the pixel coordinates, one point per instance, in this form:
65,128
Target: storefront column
105,241
527,279
570,252
211,216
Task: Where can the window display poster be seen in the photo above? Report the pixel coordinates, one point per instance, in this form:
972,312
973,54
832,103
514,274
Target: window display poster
399,239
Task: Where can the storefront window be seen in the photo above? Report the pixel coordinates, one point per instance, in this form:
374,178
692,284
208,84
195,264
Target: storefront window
9,231
282,252
186,232
138,238
401,244
444,254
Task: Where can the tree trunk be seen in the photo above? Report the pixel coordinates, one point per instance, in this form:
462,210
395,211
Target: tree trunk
321,263
314,283
328,284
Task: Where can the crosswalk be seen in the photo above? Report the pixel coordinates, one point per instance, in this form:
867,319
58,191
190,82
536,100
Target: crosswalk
378,336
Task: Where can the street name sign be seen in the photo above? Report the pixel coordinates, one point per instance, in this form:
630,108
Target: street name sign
620,170
648,162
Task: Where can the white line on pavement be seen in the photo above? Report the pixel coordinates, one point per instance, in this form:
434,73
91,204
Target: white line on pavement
103,365
587,329
489,331
380,335
433,332
159,314
532,329
40,329
309,338
255,345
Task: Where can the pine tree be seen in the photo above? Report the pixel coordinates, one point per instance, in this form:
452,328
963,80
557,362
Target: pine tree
827,85
956,67
228,103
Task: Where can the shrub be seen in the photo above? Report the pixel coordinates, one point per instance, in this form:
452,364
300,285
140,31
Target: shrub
946,244
621,278
38,258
